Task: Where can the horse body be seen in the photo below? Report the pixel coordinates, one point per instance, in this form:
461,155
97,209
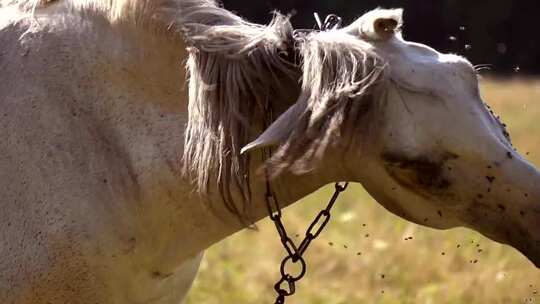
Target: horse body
92,126
95,110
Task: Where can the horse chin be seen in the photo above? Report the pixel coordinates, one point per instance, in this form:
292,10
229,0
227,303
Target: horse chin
519,238
510,214
514,233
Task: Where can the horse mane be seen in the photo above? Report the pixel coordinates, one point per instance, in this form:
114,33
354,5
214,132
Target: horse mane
163,15
234,70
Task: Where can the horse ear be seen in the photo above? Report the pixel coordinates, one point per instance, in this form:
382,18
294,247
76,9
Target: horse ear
280,129
378,24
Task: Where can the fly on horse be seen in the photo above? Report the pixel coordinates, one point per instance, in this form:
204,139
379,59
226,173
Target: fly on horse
118,168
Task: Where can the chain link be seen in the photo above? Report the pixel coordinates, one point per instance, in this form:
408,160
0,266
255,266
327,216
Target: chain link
286,286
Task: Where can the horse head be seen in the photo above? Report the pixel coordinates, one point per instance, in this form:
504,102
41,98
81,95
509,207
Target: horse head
409,124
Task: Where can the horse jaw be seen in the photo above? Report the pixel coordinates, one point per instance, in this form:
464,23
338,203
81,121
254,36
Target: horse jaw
497,198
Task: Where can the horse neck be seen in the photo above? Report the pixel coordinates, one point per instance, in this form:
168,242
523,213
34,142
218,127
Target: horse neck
133,87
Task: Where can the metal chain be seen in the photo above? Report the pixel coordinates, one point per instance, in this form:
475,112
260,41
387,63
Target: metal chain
294,253
286,286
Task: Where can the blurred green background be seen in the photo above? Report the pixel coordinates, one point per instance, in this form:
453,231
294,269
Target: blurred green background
364,257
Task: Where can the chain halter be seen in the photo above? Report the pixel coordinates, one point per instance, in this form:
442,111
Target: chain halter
286,286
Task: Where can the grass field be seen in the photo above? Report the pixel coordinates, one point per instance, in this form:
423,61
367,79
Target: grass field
363,256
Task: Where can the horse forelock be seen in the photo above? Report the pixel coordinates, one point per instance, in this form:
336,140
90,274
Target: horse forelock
340,74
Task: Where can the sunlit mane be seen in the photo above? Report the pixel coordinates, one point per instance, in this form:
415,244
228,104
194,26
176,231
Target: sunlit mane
234,71
161,14
339,73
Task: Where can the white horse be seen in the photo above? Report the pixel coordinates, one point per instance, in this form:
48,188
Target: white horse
117,171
